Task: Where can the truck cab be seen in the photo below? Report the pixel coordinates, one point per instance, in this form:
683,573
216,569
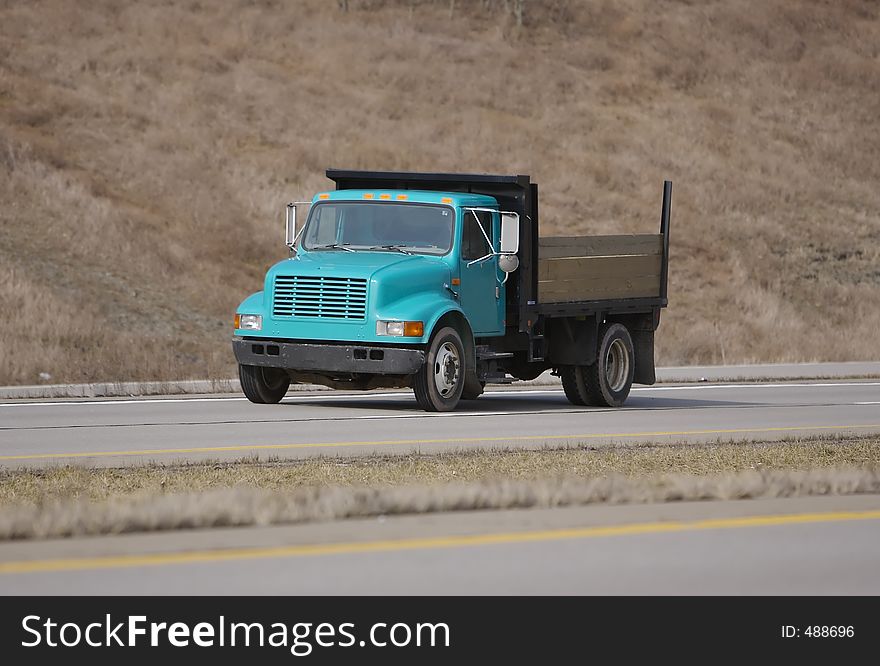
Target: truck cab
395,287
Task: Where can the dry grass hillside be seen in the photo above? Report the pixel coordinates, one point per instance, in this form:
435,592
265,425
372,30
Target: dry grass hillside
147,149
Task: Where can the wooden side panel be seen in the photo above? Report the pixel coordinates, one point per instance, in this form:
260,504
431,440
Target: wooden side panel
587,268
551,247
561,291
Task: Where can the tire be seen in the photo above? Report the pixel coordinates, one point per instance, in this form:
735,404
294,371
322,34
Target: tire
473,389
573,384
439,383
263,385
607,381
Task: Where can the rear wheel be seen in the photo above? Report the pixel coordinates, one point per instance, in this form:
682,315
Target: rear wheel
573,384
439,382
605,383
263,385
609,379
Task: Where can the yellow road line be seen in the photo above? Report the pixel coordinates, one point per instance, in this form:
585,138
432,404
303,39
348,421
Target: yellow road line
452,440
203,556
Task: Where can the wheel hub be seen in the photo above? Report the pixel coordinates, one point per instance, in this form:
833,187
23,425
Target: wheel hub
616,366
447,368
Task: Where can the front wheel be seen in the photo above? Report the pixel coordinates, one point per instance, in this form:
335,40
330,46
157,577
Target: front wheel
439,382
263,385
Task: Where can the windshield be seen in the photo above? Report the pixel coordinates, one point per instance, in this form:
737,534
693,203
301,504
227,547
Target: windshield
387,227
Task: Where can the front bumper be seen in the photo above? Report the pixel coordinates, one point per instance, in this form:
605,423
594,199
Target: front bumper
318,358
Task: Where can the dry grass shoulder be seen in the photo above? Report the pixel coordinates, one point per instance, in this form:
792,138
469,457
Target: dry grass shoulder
68,501
638,460
147,148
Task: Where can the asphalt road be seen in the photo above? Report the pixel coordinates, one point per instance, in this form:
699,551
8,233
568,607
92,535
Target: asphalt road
118,431
689,373
812,545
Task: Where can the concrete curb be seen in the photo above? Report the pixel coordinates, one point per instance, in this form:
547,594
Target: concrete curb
765,371
129,389
232,386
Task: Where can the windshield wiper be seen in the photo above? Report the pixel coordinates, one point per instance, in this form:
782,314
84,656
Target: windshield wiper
398,248
334,246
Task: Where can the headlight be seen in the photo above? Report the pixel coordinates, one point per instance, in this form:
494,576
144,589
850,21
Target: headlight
408,329
249,322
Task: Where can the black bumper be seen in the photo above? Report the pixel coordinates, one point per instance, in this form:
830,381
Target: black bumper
308,357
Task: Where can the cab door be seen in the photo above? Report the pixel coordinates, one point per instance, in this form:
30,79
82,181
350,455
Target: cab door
481,296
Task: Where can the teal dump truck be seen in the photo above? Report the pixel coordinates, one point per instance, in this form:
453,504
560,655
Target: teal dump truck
442,283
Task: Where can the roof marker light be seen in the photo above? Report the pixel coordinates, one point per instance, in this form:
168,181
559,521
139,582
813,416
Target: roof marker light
385,196
324,196
369,195
446,200
402,197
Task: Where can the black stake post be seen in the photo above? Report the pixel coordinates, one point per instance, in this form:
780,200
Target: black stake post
664,231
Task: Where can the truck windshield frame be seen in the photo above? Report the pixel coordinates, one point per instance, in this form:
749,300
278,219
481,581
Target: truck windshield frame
369,230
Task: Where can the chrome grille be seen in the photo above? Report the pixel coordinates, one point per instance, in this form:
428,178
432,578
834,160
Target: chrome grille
319,296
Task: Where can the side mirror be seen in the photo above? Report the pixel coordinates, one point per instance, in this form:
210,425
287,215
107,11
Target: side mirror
509,233
290,223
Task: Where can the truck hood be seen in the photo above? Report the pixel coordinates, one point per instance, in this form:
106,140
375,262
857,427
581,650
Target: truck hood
391,275
355,264
347,264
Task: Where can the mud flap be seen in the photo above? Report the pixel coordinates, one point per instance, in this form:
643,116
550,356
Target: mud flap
643,345
472,386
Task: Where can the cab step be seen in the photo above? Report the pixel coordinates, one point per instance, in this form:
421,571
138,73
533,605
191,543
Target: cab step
498,378
484,353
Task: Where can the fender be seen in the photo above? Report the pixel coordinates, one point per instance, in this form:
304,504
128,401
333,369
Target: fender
431,325
253,304
427,307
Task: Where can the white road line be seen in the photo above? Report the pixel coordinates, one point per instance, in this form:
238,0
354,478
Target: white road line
699,387
117,401
866,403
329,395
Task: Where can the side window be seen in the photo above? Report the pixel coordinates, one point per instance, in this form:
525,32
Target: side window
473,243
